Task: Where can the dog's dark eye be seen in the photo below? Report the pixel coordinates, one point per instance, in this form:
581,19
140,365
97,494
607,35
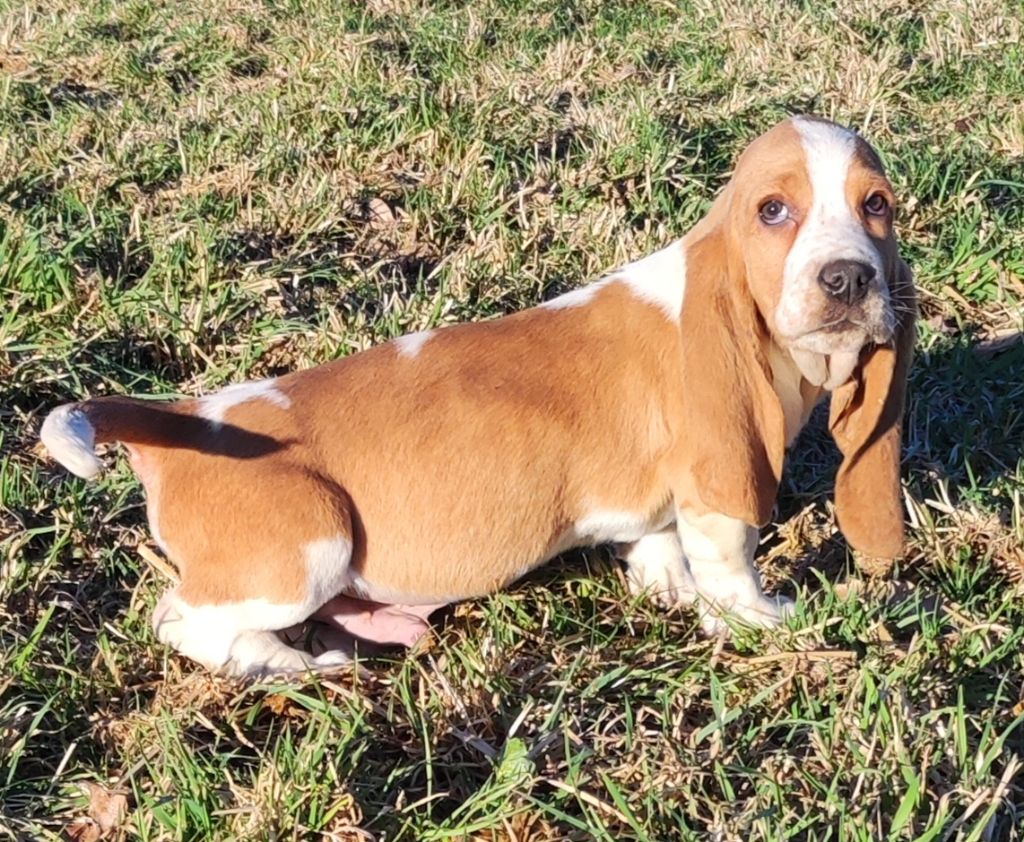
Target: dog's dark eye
773,212
876,204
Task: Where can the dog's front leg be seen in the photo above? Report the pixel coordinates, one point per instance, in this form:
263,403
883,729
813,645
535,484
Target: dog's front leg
720,551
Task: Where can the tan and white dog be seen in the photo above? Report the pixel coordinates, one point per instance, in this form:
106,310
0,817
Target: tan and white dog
650,409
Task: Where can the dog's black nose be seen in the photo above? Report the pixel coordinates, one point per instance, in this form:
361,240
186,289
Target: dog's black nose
847,280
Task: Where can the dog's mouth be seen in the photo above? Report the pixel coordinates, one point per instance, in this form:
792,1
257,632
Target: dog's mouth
847,330
823,324
827,354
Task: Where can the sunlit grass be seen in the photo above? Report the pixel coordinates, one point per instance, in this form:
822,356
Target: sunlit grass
196,193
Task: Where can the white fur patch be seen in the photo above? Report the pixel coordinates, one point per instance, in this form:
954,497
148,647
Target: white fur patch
576,297
600,527
216,406
71,440
361,588
238,632
411,344
840,368
656,566
608,526
813,367
720,551
222,637
327,561
206,632
658,279
831,231
786,377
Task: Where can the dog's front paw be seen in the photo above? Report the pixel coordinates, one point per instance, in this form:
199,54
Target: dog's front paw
167,618
764,612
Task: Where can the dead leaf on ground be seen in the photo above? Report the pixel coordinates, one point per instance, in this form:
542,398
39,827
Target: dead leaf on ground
83,830
106,811
380,212
283,706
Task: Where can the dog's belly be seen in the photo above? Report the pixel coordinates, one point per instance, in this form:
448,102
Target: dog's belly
475,562
609,526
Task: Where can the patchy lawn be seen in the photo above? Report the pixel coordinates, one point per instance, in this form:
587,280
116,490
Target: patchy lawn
194,193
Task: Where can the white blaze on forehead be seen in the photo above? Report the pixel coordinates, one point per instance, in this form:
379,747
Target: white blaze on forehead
828,151
411,344
831,230
658,279
215,407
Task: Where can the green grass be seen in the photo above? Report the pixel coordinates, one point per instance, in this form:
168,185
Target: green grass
195,193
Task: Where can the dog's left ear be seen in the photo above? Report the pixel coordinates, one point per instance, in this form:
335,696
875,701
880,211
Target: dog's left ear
866,420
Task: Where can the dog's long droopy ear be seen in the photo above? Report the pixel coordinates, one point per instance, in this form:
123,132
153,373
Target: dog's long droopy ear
866,420
733,430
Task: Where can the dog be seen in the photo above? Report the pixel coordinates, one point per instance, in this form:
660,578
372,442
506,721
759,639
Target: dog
650,410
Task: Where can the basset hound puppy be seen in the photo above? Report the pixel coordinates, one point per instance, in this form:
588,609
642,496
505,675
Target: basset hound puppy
650,410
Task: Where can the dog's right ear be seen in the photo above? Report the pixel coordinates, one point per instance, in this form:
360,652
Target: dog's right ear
732,426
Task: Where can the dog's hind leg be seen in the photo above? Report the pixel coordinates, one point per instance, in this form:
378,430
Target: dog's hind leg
238,639
655,565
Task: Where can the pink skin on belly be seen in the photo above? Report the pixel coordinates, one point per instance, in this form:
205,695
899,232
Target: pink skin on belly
376,622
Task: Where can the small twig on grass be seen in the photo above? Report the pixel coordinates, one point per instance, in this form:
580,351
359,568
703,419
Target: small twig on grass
159,564
587,798
809,655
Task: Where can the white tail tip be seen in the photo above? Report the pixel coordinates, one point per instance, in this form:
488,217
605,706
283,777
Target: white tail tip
70,439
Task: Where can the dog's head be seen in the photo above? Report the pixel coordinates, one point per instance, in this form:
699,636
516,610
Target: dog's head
799,250
810,214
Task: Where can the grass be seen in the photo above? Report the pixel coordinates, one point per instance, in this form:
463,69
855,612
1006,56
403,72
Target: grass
195,193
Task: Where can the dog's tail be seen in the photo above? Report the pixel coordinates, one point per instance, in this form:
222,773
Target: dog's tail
72,431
